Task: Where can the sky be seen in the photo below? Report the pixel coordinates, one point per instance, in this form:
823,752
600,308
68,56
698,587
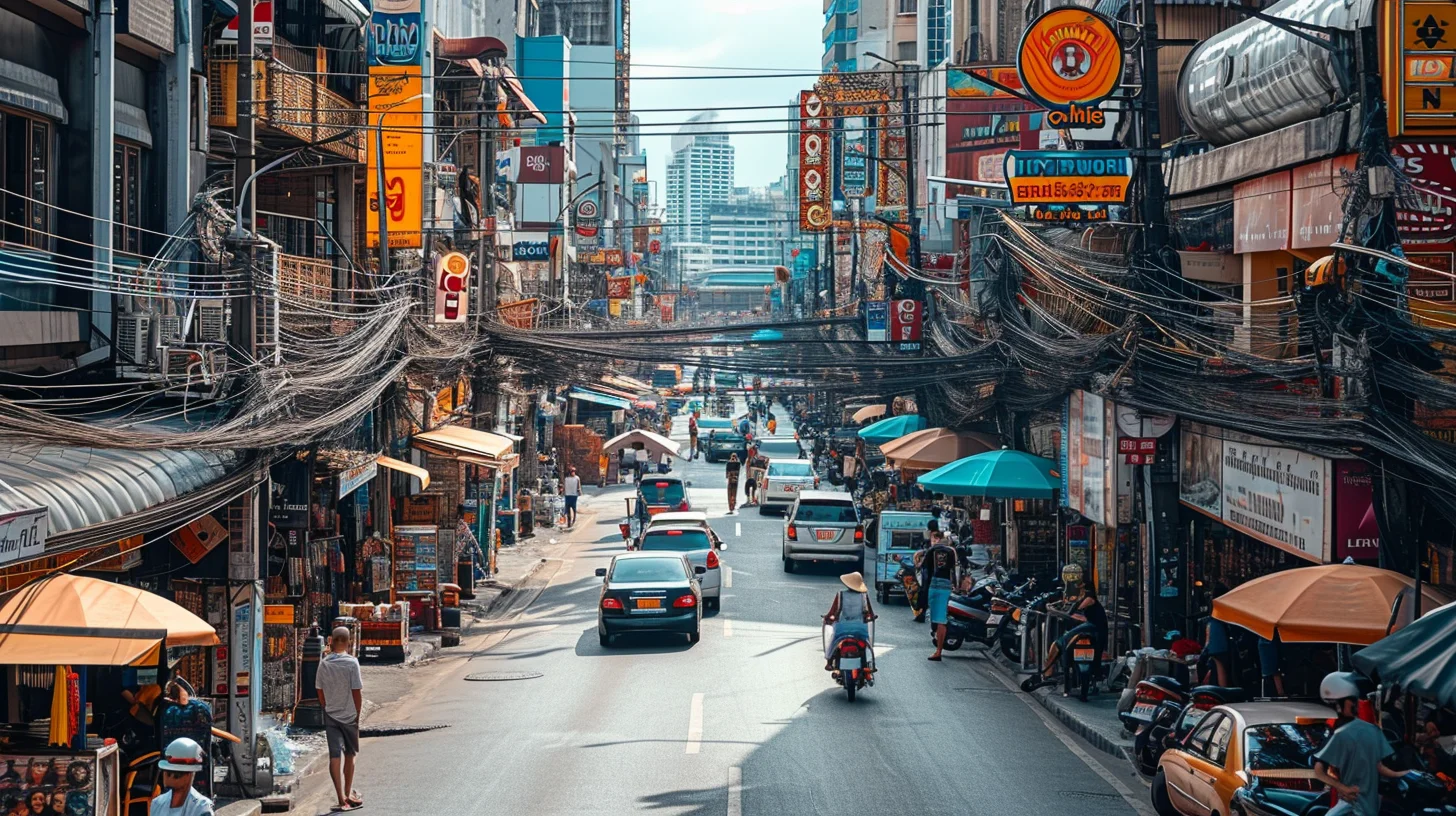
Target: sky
748,36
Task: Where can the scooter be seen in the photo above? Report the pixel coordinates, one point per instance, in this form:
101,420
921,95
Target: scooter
1021,615
969,615
849,661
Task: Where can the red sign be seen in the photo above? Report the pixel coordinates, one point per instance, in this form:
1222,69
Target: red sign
1428,165
668,305
655,246
1140,458
1137,444
1357,535
905,322
619,288
815,209
541,165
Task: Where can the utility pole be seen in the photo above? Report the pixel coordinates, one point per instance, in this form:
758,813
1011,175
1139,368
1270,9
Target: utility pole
485,155
243,330
912,210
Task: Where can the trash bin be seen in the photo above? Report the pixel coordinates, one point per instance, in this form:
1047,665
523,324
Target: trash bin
450,606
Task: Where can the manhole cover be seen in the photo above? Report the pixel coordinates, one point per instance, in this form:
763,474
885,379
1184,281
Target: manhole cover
495,677
398,729
1089,795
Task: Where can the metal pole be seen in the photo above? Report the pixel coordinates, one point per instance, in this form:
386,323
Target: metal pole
381,211
245,162
911,202
486,149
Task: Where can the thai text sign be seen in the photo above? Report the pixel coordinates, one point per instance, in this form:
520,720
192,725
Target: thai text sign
23,533
396,107
1068,177
1277,495
619,288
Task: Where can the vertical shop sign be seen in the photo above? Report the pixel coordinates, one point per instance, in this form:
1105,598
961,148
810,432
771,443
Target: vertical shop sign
667,303
854,178
452,278
1357,534
877,317
815,208
905,324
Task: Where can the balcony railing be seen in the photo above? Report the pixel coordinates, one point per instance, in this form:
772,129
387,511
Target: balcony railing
291,98
307,278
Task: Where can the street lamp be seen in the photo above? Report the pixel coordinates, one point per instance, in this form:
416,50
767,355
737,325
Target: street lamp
379,179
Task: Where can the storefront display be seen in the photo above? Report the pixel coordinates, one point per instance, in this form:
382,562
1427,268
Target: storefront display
383,628
81,783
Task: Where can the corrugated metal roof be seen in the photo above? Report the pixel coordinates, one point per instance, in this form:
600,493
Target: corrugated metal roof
86,486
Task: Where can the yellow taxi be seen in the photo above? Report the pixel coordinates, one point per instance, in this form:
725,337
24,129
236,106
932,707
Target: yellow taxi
1229,745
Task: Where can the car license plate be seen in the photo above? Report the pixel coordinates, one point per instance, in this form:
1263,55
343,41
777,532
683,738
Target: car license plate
649,603
993,620
825,535
790,488
1082,655
849,662
1144,711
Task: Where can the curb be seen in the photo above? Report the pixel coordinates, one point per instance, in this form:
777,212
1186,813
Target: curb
1074,724
242,807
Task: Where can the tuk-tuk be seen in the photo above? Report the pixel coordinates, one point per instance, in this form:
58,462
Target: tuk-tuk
897,534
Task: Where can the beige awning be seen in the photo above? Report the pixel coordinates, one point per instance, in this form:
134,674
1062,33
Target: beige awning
87,621
869,412
405,467
455,441
654,443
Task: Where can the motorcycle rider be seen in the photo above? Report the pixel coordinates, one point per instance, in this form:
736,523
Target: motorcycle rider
1355,751
850,615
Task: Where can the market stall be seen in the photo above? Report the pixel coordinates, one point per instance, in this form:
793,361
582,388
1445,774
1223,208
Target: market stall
100,628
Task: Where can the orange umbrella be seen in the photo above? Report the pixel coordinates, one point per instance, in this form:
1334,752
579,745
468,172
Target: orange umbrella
934,447
868,412
89,622
1333,603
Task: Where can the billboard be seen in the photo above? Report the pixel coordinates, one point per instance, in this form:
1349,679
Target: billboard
815,207
1277,495
396,105
396,34
1068,177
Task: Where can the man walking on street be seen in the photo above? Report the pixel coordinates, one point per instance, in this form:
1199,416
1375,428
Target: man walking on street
571,491
341,696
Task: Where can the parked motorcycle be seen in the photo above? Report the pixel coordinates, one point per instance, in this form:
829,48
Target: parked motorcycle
969,616
1177,710
1022,615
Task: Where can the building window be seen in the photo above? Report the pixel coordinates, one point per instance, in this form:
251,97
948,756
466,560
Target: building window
25,164
908,6
935,32
126,208
905,51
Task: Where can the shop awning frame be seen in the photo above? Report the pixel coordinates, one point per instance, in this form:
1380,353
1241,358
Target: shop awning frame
465,443
406,468
600,399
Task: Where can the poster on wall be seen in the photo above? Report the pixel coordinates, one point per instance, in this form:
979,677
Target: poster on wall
1086,461
1277,495
1357,533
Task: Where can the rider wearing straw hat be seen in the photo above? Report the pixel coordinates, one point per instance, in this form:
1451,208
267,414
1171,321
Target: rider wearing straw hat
850,615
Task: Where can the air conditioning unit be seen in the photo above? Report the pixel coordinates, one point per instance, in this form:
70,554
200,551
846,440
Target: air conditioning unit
133,337
169,329
174,361
212,321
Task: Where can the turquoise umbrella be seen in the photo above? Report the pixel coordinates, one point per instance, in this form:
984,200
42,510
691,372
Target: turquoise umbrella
1002,474
766,335
878,433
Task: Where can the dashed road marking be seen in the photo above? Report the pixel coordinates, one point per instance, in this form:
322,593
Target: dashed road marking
695,724
727,627
738,528
735,791
728,577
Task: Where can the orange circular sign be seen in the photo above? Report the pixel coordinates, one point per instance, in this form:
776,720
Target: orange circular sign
1070,56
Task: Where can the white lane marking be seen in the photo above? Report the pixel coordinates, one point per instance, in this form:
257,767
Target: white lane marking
1137,803
728,577
695,724
727,627
735,791
738,528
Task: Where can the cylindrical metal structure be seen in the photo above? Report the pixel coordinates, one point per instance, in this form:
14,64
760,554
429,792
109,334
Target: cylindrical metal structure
1256,77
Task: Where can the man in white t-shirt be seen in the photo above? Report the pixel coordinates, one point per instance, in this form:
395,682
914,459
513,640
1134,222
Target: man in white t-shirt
340,691
571,490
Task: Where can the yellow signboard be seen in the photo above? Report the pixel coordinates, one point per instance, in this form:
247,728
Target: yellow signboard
1420,67
396,109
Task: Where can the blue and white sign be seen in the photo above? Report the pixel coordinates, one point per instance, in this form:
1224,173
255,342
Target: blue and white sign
854,176
396,33
877,321
535,246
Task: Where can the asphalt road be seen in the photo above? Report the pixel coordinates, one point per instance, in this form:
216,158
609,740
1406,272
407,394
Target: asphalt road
745,722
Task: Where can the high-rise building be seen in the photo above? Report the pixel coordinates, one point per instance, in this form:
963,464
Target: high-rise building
584,22
855,28
699,177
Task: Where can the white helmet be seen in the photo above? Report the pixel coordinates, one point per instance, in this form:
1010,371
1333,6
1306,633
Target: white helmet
1339,686
183,755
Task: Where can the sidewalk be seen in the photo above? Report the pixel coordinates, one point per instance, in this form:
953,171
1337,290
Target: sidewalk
387,683
1094,721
